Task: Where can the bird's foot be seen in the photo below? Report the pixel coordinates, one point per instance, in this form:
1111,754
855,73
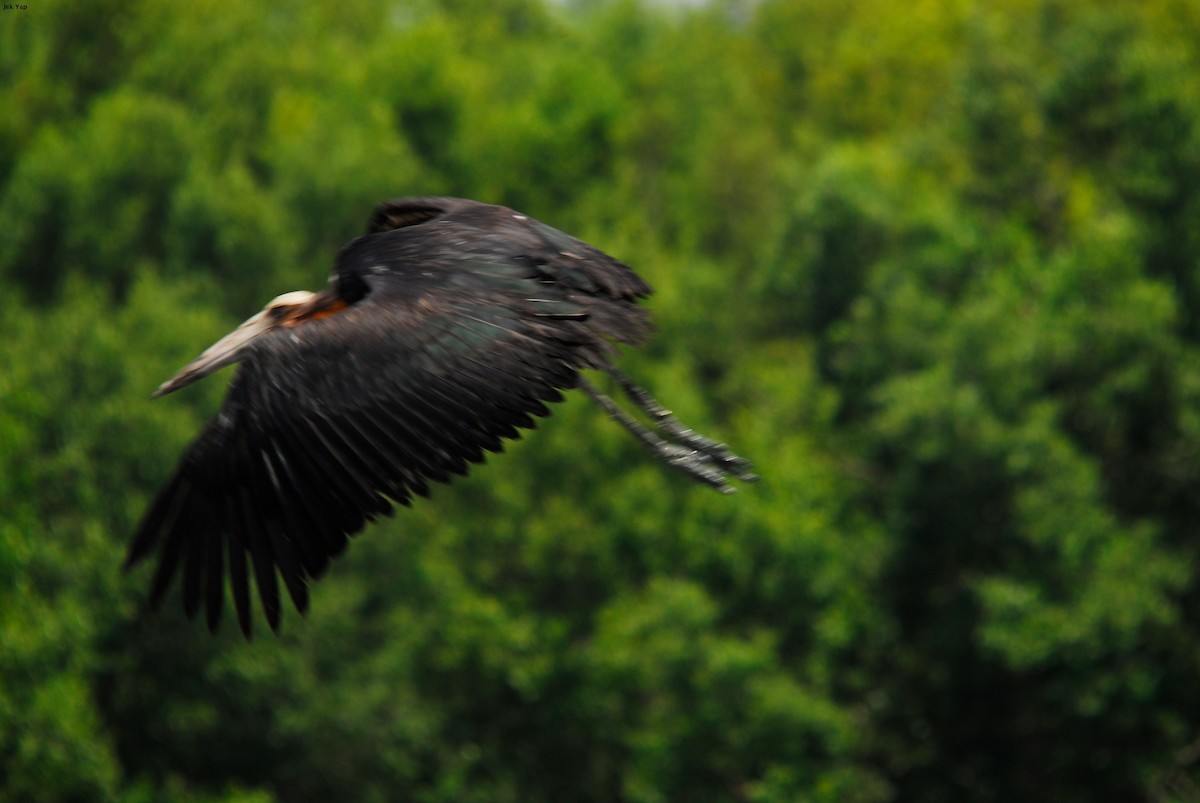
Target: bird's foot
711,465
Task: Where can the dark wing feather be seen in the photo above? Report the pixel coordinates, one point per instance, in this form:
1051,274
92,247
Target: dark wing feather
580,270
466,320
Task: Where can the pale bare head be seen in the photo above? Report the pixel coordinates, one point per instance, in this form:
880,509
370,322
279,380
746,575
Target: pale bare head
288,309
288,300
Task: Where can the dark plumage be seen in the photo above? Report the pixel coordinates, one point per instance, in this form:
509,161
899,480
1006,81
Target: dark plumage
443,330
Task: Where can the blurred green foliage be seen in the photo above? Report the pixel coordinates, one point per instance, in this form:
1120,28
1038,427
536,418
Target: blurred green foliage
934,266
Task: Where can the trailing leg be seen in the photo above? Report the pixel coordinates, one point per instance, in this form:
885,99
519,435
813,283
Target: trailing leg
671,426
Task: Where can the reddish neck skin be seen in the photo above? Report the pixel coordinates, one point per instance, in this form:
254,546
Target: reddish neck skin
321,306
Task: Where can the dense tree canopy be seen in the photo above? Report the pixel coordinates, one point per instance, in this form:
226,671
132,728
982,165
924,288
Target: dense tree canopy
934,266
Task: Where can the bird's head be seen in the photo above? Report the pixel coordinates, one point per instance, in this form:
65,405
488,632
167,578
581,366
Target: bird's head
288,309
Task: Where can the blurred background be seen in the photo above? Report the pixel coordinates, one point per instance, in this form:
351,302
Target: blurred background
934,266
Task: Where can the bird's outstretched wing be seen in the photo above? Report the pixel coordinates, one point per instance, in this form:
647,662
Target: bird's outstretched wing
329,422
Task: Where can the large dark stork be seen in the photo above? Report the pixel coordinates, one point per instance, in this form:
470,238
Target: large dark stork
442,330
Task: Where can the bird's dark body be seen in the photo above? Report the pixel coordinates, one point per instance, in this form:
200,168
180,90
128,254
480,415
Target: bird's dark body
448,327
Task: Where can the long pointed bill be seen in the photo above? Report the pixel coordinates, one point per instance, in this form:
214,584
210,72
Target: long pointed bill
224,352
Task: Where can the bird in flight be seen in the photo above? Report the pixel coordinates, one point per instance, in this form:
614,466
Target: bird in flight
443,330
